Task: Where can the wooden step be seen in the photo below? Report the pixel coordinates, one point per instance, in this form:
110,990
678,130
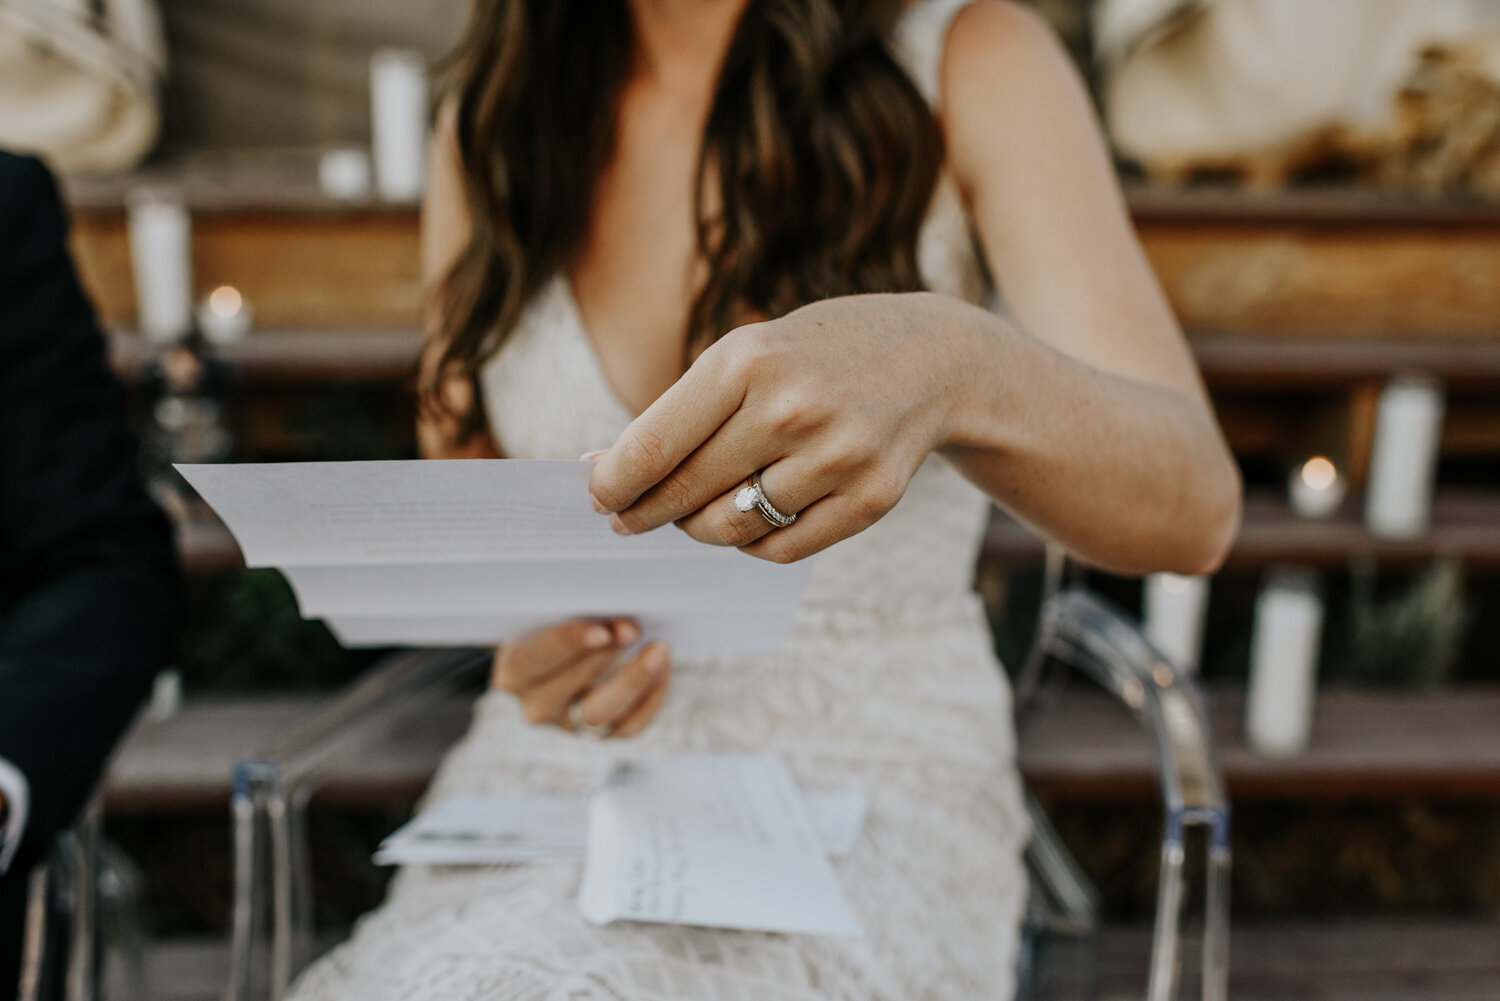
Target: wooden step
388,354
1365,744
1344,263
1465,524
1342,959
1393,959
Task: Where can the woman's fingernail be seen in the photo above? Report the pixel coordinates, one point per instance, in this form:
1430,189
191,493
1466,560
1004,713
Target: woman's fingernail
655,658
627,632
593,456
618,526
598,637
600,508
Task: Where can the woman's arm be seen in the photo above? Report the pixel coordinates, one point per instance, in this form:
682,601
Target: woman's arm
1085,417
445,234
1094,428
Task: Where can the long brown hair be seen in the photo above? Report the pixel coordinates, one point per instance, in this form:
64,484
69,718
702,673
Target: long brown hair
824,154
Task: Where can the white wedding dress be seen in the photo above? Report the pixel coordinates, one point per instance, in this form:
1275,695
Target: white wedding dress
889,684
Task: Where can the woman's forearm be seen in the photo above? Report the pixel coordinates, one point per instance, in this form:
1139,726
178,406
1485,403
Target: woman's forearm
1129,475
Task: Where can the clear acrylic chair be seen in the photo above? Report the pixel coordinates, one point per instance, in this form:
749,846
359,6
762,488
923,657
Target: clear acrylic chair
272,932
84,927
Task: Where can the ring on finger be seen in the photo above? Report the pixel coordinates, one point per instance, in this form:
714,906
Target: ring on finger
754,496
598,731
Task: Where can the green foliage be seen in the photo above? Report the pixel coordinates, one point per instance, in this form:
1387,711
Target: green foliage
244,633
1410,639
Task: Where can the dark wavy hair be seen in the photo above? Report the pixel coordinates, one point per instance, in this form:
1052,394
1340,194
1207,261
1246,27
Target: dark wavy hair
823,152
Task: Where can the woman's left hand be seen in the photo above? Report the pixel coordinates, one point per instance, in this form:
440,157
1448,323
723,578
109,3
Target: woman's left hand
838,403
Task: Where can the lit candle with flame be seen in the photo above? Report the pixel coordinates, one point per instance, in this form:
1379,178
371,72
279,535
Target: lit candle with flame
224,315
1316,489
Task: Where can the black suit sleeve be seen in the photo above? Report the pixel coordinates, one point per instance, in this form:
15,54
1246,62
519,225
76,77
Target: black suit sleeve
88,581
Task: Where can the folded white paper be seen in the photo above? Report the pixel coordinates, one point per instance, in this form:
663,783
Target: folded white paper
472,830
475,552
478,830
720,841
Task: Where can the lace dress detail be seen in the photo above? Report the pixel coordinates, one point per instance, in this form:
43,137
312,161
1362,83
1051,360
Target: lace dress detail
889,684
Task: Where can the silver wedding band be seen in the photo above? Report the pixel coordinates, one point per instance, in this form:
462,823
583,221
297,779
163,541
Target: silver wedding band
753,497
598,731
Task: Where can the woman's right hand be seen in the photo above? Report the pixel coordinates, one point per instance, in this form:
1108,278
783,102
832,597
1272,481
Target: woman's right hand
571,661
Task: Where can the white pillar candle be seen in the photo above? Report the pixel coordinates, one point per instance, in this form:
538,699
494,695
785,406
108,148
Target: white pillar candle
398,123
1174,610
1283,664
161,256
1403,458
1315,488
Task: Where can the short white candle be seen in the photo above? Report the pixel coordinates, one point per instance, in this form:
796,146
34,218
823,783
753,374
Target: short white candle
1174,610
1283,665
345,174
1315,488
398,123
224,316
161,256
1403,458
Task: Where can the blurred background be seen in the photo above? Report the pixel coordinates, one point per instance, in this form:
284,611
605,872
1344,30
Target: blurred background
1318,188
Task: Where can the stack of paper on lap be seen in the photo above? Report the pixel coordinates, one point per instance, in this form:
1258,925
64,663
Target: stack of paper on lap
475,552
723,841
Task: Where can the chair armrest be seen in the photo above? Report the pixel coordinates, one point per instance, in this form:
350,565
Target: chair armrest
269,793
397,685
1085,631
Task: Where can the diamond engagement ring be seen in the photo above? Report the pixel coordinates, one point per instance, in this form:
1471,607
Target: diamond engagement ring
598,731
754,497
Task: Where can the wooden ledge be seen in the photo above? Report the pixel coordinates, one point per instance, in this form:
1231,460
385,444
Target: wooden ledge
286,181
1464,524
1313,205
351,355
379,354
1366,744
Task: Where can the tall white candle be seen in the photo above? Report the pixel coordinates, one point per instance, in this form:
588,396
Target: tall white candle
1284,664
1174,610
398,123
161,256
1403,458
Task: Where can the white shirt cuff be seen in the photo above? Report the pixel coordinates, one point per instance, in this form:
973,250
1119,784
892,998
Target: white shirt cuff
17,796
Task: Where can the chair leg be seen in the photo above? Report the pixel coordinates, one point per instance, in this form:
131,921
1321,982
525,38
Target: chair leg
82,983
247,919
1162,985
34,947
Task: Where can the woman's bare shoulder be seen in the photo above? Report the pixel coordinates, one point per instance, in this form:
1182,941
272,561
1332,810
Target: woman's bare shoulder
1007,82
998,49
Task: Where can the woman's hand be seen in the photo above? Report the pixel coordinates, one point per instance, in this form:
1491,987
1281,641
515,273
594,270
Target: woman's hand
570,662
838,402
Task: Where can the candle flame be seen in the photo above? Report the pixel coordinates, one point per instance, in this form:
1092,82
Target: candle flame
225,301
1319,473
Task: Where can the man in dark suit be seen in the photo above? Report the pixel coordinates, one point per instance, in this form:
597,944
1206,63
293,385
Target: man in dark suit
88,581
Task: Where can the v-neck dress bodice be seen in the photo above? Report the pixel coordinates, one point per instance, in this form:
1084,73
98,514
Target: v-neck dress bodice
889,684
